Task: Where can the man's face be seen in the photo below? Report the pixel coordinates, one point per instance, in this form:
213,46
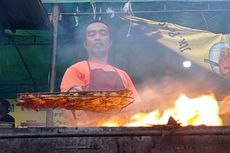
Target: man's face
97,40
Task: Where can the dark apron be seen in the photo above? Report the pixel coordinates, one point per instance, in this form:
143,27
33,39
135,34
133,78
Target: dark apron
101,80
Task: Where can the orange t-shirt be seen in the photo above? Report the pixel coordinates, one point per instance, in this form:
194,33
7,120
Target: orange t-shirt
78,74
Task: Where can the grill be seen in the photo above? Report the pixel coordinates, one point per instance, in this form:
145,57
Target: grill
169,138
156,139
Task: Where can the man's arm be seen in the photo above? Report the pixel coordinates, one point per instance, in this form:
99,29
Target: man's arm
73,80
129,84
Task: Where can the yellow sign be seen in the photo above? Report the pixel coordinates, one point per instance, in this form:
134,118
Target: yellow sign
26,118
202,47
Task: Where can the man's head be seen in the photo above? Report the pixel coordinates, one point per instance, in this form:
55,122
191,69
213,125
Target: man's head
4,106
97,39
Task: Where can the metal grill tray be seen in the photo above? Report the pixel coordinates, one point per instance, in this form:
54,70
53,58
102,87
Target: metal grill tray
97,101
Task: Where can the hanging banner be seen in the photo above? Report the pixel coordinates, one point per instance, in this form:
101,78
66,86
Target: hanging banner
209,50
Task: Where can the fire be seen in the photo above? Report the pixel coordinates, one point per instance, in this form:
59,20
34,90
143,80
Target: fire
203,110
109,124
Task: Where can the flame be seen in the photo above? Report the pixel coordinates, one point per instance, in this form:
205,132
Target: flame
109,124
203,110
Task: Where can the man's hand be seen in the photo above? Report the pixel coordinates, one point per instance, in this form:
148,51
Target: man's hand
75,88
224,63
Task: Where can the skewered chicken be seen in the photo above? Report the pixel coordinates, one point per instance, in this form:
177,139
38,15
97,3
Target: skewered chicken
97,101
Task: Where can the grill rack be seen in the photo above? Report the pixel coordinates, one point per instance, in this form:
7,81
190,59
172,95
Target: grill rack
96,101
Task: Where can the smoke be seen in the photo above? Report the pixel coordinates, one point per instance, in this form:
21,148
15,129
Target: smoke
161,93
156,71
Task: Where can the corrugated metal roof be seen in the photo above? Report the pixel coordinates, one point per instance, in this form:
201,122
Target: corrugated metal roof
23,14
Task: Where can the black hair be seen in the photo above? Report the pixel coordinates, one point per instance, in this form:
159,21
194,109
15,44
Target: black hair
5,103
97,21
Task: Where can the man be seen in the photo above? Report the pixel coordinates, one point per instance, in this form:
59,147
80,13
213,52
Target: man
4,110
95,74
